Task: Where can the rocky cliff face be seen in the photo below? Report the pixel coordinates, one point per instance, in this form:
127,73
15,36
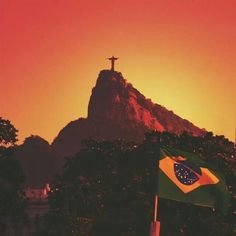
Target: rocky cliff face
115,100
118,110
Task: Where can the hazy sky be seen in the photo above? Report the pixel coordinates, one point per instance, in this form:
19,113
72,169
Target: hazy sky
179,53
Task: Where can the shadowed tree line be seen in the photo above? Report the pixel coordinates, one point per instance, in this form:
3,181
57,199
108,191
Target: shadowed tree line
12,203
107,189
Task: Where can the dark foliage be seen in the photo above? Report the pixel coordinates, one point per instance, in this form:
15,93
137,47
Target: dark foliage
106,189
12,203
8,133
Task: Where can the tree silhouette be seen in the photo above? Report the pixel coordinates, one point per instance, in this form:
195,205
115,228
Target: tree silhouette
12,204
107,189
8,133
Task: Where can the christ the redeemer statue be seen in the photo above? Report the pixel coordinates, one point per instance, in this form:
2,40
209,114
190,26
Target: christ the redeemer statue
113,59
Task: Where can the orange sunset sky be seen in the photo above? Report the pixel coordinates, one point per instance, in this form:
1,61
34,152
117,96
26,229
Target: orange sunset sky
179,53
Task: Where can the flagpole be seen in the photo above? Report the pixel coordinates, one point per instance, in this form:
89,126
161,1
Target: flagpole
155,208
155,225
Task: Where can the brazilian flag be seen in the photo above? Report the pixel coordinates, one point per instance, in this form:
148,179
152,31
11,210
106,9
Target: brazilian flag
184,177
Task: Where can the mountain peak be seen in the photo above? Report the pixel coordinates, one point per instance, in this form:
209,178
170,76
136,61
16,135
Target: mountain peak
117,110
107,74
108,78
115,100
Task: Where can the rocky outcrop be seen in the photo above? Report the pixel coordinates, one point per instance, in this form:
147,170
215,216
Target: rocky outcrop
115,100
117,110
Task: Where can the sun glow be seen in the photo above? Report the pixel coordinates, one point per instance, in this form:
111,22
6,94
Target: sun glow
178,53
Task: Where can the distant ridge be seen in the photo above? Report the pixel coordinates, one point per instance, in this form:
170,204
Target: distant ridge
38,161
117,110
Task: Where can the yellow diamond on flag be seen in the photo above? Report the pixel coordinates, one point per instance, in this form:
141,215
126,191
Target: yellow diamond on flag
186,175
